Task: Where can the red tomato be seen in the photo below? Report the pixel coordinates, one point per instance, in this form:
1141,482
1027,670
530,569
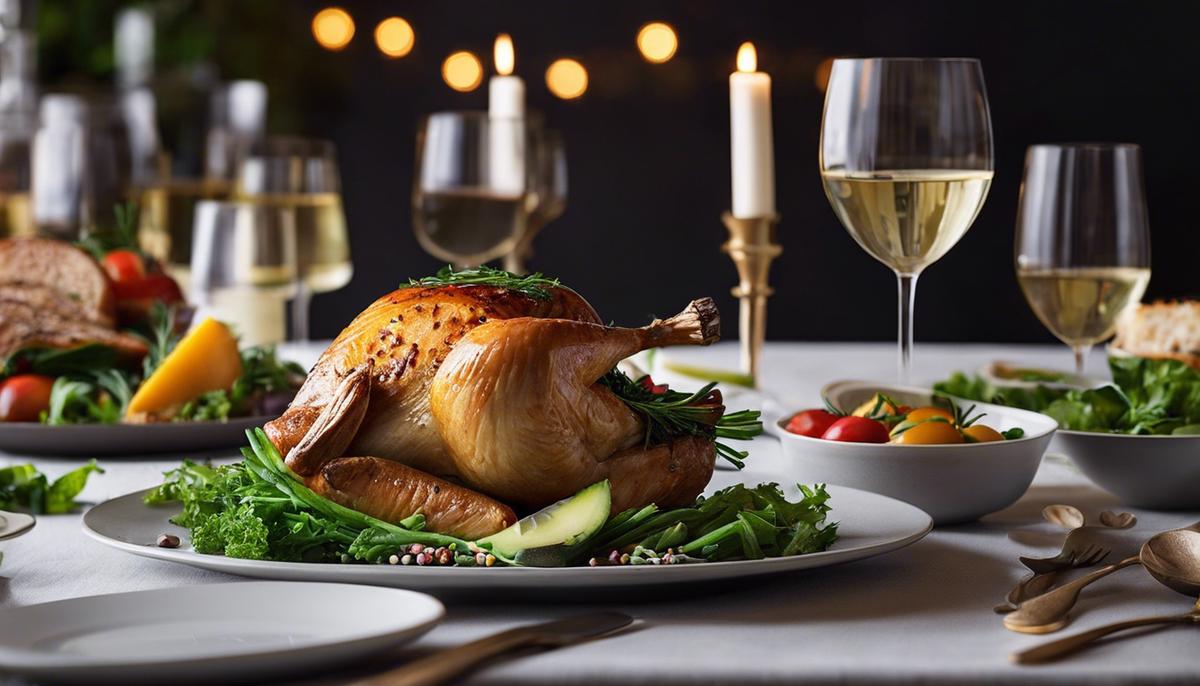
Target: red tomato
655,388
812,423
23,397
857,430
149,287
124,266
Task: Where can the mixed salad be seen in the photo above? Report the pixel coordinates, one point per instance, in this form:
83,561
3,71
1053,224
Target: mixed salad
259,509
1147,397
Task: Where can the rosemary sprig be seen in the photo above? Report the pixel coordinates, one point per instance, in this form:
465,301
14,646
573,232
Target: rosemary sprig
534,285
123,235
669,414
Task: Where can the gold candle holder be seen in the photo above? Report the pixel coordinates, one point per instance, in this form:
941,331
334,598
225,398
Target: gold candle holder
752,245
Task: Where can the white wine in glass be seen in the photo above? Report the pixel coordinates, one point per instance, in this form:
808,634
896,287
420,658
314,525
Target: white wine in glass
1081,306
906,161
1083,239
907,219
468,226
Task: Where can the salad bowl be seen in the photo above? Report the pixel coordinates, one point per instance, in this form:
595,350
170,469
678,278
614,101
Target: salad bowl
954,483
1153,472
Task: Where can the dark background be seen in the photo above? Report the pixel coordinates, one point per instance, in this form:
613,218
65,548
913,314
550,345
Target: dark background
648,145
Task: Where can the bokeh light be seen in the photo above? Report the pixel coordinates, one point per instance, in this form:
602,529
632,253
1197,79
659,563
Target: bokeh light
567,78
394,36
333,28
462,71
657,42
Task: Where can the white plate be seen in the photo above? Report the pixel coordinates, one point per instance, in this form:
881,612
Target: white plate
869,524
209,632
109,440
13,524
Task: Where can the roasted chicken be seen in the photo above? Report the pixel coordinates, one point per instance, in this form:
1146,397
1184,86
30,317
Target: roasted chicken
493,389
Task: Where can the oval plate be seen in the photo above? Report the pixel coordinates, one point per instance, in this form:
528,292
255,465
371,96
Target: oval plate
115,440
210,632
868,525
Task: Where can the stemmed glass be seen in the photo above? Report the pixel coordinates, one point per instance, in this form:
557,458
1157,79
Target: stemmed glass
471,192
548,199
300,175
1083,239
906,161
243,266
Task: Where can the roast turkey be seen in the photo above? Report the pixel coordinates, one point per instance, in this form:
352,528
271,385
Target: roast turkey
494,389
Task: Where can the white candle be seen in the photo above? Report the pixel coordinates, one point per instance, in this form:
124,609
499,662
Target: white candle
751,142
506,110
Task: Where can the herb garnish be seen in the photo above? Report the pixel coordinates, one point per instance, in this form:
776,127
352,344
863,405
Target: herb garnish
123,235
534,285
23,486
669,414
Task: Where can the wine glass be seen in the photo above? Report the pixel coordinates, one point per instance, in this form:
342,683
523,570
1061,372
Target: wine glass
301,174
1083,239
548,199
16,217
470,193
243,267
906,161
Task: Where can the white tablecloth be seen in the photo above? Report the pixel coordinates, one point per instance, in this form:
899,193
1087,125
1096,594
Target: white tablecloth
920,615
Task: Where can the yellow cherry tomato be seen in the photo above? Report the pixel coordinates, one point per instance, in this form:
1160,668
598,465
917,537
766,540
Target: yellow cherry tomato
932,432
979,433
868,409
922,413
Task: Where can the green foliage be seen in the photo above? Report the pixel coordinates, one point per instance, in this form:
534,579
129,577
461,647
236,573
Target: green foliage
24,487
58,362
534,285
738,522
669,414
96,397
258,509
1146,397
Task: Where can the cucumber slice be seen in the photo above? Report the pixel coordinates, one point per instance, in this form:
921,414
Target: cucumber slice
564,523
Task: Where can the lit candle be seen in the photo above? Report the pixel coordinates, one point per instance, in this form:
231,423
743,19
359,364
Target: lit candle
506,110
506,93
751,142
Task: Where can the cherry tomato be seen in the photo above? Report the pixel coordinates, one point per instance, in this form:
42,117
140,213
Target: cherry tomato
149,287
979,433
23,397
856,430
124,266
930,432
812,423
922,413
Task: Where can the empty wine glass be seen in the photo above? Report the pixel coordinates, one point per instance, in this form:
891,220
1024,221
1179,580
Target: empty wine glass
1083,239
906,160
244,267
301,174
548,196
470,194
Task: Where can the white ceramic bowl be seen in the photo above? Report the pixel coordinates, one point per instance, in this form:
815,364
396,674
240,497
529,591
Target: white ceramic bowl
953,483
1153,472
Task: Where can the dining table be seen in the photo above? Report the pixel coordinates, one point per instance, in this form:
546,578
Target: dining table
920,615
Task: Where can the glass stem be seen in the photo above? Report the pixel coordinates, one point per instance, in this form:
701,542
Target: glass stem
1081,355
907,285
300,304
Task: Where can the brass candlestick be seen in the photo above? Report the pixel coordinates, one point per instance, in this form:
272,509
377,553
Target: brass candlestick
752,246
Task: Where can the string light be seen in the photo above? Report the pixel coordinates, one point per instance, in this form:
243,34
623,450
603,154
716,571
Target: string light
333,27
462,71
394,36
657,42
567,78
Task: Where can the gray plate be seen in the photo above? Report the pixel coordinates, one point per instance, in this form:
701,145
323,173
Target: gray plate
869,525
109,440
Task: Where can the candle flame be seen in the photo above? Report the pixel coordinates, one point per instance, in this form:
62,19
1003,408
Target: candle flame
747,58
503,54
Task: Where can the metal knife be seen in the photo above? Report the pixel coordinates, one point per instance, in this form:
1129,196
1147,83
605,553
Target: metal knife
447,664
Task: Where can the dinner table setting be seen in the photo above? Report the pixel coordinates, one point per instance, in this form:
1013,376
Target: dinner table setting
477,475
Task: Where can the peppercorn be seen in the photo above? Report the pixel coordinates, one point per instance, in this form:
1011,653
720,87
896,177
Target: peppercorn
394,560
443,556
406,560
168,541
